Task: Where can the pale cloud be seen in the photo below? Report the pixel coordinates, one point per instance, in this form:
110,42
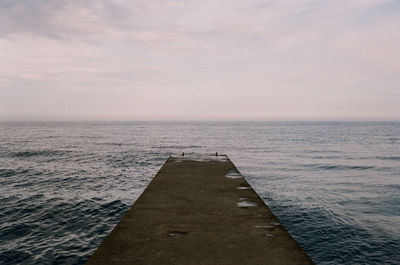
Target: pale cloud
215,59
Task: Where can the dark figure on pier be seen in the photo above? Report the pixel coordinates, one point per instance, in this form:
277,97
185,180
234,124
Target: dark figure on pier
183,153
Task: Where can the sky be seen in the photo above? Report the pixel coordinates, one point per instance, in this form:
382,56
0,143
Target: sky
200,60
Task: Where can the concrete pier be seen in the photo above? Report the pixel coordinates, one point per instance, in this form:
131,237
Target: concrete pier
198,209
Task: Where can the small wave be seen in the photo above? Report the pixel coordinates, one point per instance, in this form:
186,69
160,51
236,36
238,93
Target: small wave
114,144
14,257
345,167
326,157
33,153
11,172
16,231
72,230
323,151
393,158
180,147
338,167
7,172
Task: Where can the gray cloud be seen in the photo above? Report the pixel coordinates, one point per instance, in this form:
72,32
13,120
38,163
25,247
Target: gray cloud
214,59
61,19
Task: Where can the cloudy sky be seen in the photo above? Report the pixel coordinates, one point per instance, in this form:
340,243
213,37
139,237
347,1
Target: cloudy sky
200,60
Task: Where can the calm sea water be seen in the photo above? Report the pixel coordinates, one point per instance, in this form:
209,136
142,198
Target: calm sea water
334,186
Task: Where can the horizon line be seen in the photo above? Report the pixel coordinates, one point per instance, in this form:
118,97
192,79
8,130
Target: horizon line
199,120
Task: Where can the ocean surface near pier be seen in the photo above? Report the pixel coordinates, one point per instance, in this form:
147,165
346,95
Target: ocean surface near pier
335,186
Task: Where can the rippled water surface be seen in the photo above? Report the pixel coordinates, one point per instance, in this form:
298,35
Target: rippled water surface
65,185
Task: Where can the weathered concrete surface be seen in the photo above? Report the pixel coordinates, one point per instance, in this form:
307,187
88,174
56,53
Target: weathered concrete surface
189,214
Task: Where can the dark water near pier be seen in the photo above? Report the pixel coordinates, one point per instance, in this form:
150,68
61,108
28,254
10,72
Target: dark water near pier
335,186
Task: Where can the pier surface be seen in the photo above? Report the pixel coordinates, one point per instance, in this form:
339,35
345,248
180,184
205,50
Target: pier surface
199,210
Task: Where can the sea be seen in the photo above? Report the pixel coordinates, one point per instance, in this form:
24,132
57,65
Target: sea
335,186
